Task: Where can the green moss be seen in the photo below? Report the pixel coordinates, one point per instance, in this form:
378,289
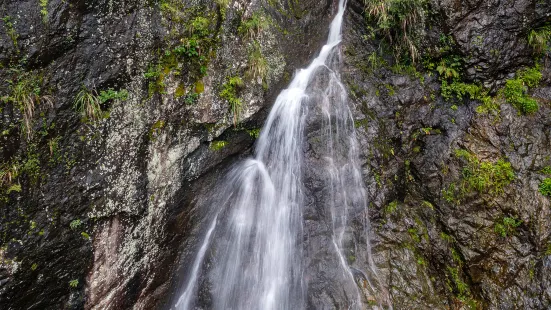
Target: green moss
484,176
515,91
546,170
110,94
462,287
391,207
446,237
218,145
507,226
180,90
254,133
156,129
199,87
44,10
545,187
414,234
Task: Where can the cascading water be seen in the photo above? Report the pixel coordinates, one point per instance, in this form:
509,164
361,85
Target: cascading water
257,235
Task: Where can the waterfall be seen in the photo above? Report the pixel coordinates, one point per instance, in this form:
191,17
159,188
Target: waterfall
257,235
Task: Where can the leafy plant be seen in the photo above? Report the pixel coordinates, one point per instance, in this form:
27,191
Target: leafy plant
111,94
85,235
75,224
25,94
218,145
14,188
10,30
191,98
258,66
515,91
229,93
391,207
223,5
253,26
545,187
400,21
73,283
507,226
485,176
87,103
44,10
540,39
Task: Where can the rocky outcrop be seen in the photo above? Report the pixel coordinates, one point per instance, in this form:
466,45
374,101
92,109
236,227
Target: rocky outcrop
442,251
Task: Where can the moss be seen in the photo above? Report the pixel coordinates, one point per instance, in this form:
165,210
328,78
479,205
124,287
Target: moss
545,187
515,90
180,90
446,237
391,207
414,234
44,10
218,145
156,129
112,95
546,170
484,176
507,226
254,133
462,287
199,87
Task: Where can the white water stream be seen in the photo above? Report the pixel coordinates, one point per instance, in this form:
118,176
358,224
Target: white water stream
256,236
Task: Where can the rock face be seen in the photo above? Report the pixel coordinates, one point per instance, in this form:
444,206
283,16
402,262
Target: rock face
101,213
